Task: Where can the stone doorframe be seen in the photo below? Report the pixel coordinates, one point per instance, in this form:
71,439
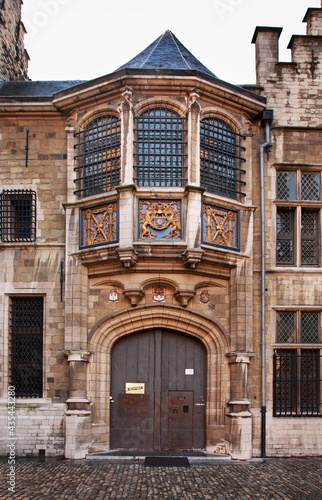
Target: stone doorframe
214,337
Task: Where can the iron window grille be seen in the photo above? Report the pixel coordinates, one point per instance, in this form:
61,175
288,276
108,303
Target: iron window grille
18,215
220,158
160,157
297,383
26,346
98,156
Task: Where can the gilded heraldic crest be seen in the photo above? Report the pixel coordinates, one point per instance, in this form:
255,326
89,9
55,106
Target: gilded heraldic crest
161,216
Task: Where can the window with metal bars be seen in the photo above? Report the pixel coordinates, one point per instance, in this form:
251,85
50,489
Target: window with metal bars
98,156
18,215
26,346
220,158
298,218
297,383
160,157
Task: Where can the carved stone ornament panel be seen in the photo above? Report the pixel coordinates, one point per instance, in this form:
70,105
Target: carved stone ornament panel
99,224
220,226
160,219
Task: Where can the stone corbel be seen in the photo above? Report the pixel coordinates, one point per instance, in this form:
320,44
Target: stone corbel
183,296
134,296
77,355
127,99
239,356
193,100
127,256
192,257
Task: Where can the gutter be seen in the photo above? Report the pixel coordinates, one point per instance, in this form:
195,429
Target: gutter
267,118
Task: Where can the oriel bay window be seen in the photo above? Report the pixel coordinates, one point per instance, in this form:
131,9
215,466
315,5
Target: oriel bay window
297,364
160,157
98,156
221,158
297,218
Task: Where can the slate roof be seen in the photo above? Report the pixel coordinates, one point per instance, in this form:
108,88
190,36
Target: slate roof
36,89
166,52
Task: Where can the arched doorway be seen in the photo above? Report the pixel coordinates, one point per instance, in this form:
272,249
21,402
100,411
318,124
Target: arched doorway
158,391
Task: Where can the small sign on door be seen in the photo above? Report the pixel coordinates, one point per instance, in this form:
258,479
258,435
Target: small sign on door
189,371
134,388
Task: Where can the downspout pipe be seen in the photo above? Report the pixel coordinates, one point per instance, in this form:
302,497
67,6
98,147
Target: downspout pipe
267,119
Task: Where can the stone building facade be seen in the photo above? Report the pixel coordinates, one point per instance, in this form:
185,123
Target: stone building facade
151,298
13,56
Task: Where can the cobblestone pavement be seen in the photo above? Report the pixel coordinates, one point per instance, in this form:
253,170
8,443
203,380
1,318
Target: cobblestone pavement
66,479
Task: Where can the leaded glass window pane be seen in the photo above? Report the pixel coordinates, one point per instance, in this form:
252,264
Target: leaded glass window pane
309,240
286,186
309,327
310,186
285,327
284,244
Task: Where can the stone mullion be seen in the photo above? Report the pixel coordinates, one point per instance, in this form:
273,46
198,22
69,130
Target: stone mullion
126,207
127,136
194,140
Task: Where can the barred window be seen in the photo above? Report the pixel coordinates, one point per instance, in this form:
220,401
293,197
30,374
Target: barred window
297,370
160,157
297,383
18,215
98,156
26,346
220,158
298,218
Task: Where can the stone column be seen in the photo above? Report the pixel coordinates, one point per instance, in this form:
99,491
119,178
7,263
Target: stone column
240,418
78,415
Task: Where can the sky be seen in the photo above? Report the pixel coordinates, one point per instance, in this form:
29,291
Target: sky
82,40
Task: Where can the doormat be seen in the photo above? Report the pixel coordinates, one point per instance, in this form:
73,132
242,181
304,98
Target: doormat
166,462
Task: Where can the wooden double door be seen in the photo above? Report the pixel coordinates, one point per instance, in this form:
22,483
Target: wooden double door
158,380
